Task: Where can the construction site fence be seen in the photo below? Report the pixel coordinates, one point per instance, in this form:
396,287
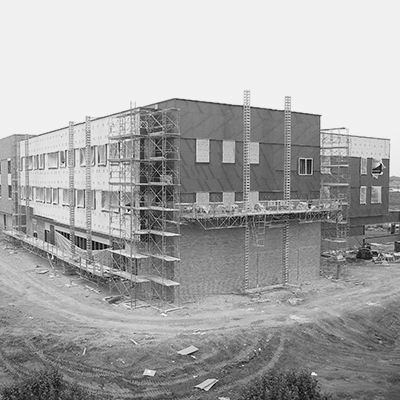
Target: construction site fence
261,207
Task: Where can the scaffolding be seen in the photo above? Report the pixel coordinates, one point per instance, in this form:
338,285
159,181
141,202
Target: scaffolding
15,185
286,184
335,186
28,189
71,186
246,181
88,190
143,201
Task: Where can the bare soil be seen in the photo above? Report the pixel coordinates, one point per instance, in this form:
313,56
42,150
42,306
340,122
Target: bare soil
346,330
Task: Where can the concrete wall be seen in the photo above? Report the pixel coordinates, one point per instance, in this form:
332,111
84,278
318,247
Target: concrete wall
212,260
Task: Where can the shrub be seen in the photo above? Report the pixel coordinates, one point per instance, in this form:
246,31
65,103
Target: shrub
276,385
44,385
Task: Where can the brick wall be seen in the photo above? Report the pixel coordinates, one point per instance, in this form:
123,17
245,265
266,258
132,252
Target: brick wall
212,260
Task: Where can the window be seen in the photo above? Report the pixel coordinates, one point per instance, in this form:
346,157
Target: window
41,161
22,192
377,168
55,196
21,164
93,199
254,153
202,150
82,157
65,197
48,193
363,195
63,158
36,161
305,166
105,200
0,190
30,162
39,194
102,154
9,191
376,194
216,197
363,166
52,160
228,151
9,166
80,198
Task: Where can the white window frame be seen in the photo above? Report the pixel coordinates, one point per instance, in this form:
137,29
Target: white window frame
376,194
363,195
306,171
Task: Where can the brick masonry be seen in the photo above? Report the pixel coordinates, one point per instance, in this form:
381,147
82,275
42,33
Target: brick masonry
212,260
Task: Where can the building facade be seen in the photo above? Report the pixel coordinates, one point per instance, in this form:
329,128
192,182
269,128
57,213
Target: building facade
161,189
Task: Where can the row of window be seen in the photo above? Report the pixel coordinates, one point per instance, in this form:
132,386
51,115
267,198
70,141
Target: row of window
59,159
305,165
376,195
61,196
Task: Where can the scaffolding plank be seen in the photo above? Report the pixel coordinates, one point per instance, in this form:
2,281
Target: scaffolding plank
165,257
128,275
161,281
125,253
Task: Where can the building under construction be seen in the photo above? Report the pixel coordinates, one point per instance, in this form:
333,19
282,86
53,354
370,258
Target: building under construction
182,199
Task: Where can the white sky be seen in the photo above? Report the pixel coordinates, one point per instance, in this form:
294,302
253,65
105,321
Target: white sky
63,60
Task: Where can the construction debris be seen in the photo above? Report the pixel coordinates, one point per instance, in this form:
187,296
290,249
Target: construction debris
207,384
84,351
42,271
189,350
113,299
134,341
149,372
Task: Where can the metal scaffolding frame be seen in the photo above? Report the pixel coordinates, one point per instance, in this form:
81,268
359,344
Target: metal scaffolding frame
143,198
28,189
286,184
246,181
16,186
335,186
88,191
71,186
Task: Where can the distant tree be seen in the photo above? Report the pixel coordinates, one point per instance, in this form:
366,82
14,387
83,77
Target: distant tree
44,385
280,385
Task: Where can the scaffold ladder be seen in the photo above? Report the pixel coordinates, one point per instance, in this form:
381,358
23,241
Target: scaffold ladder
286,185
88,191
27,187
71,188
246,181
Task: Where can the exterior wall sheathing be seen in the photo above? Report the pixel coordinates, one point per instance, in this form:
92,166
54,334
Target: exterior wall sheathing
212,260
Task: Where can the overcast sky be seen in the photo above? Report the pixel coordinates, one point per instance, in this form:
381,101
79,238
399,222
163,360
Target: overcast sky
63,60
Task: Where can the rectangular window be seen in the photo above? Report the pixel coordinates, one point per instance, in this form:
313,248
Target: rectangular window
41,161
9,191
30,192
363,166
65,197
202,150
63,158
80,198
376,194
105,200
22,192
52,160
228,151
216,197
305,166
9,166
35,161
82,157
363,195
254,153
48,195
94,199
0,190
39,194
30,162
377,167
102,154
55,196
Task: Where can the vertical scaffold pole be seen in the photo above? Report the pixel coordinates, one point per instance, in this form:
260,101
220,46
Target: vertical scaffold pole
27,187
71,188
246,181
286,185
88,191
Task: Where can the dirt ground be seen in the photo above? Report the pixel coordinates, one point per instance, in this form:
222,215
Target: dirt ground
346,330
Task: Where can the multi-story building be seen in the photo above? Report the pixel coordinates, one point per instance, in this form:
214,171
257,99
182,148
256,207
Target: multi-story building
156,197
